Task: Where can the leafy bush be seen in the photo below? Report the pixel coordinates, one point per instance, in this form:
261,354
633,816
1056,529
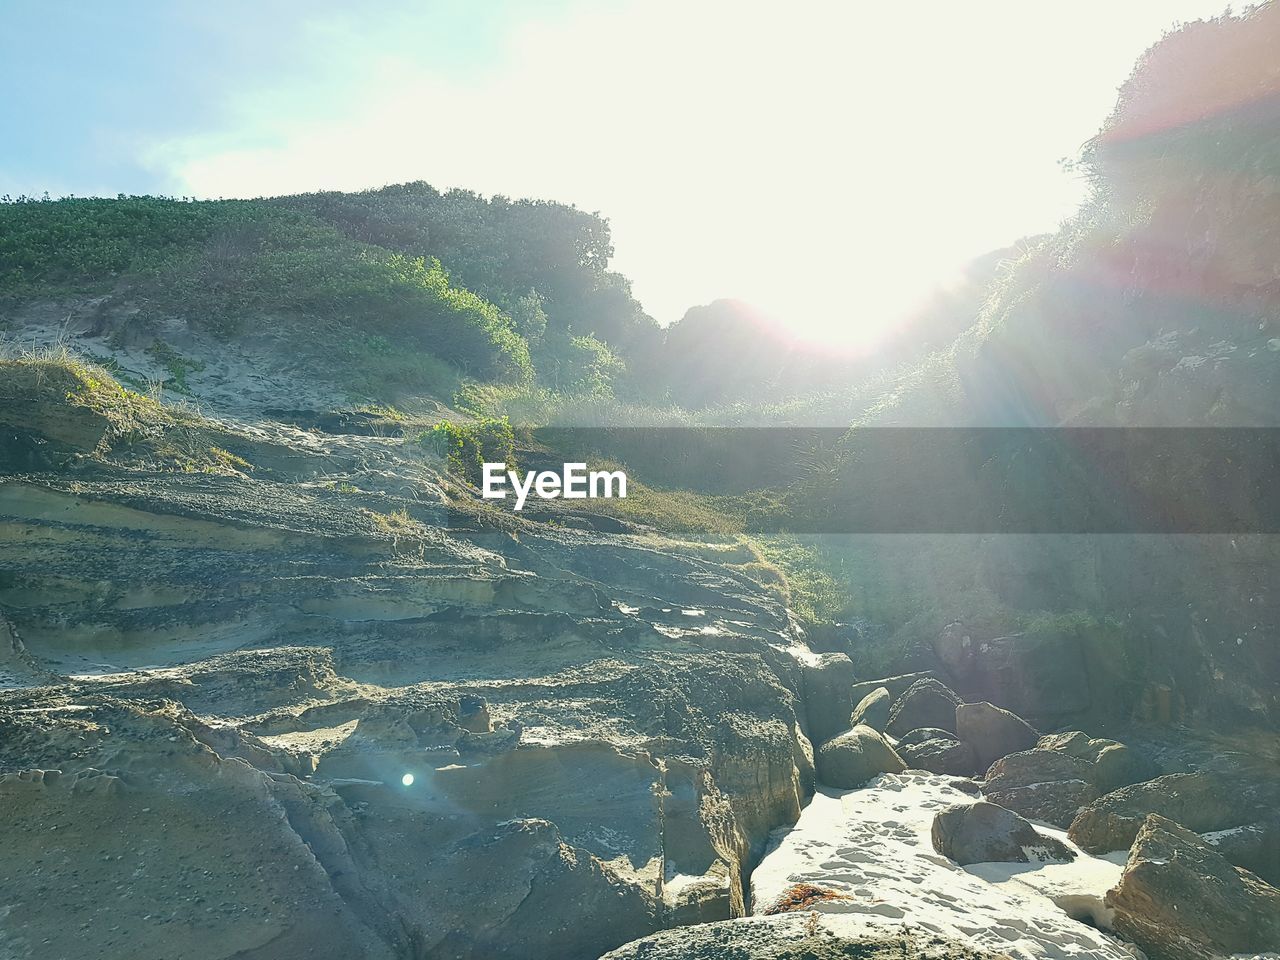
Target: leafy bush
578,365
499,247
466,447
223,262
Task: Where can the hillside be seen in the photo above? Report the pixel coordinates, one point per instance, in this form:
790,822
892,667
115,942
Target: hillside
277,683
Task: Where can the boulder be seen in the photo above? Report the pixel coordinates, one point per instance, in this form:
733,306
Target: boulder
1254,846
1041,784
827,699
993,732
926,703
873,710
954,647
921,734
1179,899
941,755
854,757
1115,764
984,832
896,685
1200,801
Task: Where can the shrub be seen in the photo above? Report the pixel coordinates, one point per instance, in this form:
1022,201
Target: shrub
466,447
221,263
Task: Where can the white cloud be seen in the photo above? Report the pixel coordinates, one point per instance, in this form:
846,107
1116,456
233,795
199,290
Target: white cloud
824,160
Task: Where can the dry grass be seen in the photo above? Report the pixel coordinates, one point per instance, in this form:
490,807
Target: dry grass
802,896
51,382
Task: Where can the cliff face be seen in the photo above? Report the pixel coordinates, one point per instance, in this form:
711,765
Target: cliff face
1161,307
1157,306
292,707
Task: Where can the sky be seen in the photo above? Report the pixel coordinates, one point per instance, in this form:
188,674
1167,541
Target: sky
829,162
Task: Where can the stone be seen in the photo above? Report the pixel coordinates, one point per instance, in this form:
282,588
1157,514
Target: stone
1042,785
926,703
873,710
986,833
992,732
1179,899
896,685
941,755
921,734
1198,801
794,936
827,697
1115,764
1254,846
854,757
954,647
473,714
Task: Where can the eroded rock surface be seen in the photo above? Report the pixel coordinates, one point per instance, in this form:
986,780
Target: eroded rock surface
1180,900
1198,801
790,938
992,732
873,710
308,710
1041,784
939,755
1115,765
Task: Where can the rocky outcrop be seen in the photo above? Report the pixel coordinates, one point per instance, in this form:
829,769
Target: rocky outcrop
926,703
1042,785
992,732
1254,846
939,755
854,757
1180,900
873,710
984,832
1115,765
370,720
828,702
1200,801
792,937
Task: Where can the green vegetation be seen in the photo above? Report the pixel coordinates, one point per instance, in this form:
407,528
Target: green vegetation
177,365
223,264
467,446
79,408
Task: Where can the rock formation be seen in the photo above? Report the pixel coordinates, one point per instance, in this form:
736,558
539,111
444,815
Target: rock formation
984,832
854,757
873,710
992,732
926,703
1042,785
1180,900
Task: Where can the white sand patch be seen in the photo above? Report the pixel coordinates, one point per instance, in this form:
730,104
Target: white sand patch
873,845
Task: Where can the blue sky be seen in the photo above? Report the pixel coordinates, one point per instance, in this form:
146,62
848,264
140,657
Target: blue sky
94,85
785,154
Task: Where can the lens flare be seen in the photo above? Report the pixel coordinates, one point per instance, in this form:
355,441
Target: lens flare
407,779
